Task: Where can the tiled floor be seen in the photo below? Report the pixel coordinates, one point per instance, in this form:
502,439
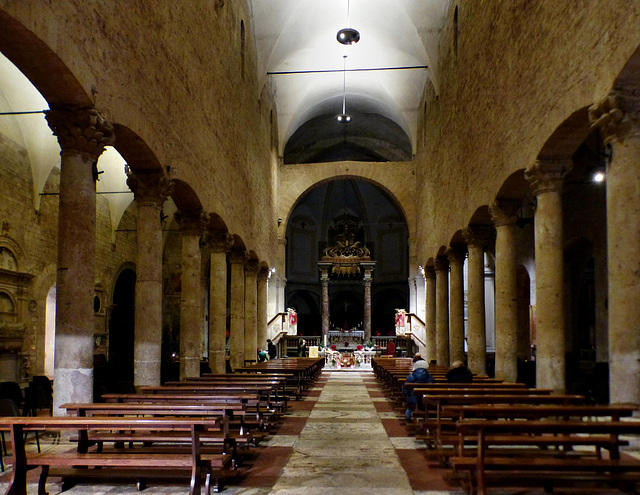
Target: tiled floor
343,437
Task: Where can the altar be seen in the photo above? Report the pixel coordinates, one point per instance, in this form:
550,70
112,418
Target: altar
348,360
346,338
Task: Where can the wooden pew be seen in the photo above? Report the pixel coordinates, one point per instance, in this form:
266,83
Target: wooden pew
227,438
433,433
138,464
487,466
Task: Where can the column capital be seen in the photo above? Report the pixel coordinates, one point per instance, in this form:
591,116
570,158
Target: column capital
149,188
479,235
367,282
192,221
456,254
547,175
237,257
617,115
218,241
252,267
263,274
441,264
80,131
504,211
429,272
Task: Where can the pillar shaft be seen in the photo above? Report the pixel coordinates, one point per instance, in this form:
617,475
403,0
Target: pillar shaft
546,180
618,116
442,311
236,326
251,311
75,279
220,244
456,304
430,318
192,224
326,317
504,217
477,237
263,277
150,192
367,310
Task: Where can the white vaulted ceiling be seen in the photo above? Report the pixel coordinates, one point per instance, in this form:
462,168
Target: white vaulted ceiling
300,35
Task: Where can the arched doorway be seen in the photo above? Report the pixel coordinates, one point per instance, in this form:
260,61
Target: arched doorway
377,223
121,330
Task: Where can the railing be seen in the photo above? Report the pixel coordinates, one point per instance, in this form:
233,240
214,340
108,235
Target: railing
418,333
277,327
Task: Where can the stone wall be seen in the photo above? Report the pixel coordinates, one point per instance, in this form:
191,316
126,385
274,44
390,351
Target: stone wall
521,69
197,106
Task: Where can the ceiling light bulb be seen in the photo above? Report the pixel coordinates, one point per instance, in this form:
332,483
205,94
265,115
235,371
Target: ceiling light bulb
343,118
598,177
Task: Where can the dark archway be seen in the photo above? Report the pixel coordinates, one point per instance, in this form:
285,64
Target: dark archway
121,330
383,311
378,224
305,304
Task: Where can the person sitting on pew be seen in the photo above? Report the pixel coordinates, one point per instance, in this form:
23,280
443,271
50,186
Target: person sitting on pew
418,375
459,373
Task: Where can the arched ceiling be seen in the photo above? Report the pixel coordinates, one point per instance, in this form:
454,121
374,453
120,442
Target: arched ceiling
296,36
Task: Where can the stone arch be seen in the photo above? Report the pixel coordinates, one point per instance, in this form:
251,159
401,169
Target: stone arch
44,68
392,178
135,150
567,137
629,79
184,197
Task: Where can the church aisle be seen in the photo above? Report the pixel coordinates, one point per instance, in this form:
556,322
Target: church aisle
343,446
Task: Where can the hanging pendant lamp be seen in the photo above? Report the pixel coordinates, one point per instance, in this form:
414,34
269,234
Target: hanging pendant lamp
344,117
348,36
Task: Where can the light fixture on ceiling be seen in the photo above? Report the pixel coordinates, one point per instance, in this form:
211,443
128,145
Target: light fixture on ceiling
348,36
344,117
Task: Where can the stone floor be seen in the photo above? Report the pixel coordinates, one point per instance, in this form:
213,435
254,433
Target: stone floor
343,437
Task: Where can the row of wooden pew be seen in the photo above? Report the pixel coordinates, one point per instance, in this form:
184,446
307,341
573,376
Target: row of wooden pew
491,433
198,428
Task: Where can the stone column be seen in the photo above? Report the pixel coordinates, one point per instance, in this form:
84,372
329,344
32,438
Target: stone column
220,244
366,318
546,182
618,116
442,310
150,191
263,276
430,318
478,238
420,296
456,255
412,295
324,280
236,335
281,281
82,135
504,215
192,225
251,310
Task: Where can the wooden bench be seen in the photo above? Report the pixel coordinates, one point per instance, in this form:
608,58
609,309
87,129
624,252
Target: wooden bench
139,464
488,466
434,402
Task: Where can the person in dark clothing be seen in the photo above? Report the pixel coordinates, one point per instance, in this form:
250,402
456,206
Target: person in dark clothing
272,350
302,348
459,373
418,375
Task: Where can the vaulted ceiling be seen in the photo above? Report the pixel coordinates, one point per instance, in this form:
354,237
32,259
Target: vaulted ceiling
385,76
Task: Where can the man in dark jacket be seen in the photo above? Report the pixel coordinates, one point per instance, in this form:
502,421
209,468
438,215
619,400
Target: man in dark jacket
459,373
418,375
